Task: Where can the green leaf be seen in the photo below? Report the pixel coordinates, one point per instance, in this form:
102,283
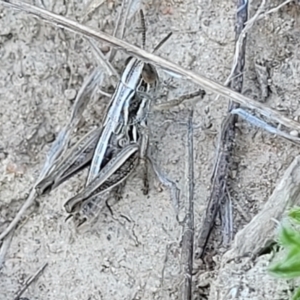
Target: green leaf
296,295
291,252
294,214
289,237
288,268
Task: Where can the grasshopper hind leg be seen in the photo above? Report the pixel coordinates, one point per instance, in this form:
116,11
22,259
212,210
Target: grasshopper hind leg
86,213
118,192
116,196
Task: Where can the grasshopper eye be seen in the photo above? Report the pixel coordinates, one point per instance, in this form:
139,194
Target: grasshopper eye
149,73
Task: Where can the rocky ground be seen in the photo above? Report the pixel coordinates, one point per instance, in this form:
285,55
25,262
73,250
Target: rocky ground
135,253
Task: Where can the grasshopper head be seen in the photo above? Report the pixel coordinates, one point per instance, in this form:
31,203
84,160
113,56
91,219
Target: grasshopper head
149,73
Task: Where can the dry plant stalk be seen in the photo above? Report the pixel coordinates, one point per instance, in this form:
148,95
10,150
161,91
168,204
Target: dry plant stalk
219,199
204,82
188,233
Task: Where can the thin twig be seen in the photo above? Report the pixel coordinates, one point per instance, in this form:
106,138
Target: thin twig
204,82
188,234
30,280
162,42
218,198
242,31
248,25
275,9
175,102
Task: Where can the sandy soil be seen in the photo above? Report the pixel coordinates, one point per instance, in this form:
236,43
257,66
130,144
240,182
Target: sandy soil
135,254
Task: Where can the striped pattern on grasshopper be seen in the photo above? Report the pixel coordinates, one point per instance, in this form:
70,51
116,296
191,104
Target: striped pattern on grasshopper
113,151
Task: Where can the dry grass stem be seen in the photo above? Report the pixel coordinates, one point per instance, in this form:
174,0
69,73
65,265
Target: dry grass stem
219,200
188,233
204,82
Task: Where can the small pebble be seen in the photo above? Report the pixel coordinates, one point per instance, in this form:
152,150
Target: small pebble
17,170
294,133
110,5
233,174
70,94
174,161
160,188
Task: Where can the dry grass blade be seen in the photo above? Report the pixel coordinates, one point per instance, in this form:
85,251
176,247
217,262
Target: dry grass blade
81,101
219,198
237,85
60,145
188,234
204,82
260,14
262,124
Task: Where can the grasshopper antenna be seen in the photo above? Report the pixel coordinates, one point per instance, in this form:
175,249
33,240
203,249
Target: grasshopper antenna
143,23
161,43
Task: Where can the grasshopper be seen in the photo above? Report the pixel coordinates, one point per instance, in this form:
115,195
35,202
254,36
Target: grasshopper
135,76
116,149
112,176
116,170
